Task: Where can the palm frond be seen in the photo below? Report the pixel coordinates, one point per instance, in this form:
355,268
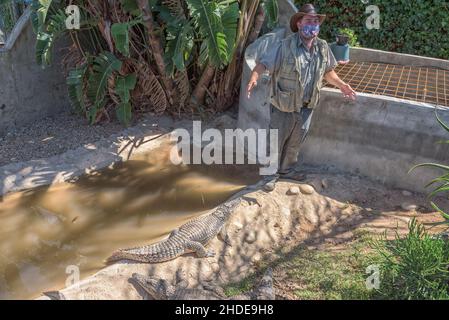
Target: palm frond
102,68
175,7
179,45
206,15
272,12
445,126
131,7
124,85
47,35
75,85
229,18
120,35
434,165
183,88
123,112
444,214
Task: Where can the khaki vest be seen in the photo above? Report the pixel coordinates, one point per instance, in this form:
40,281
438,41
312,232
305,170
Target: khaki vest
287,88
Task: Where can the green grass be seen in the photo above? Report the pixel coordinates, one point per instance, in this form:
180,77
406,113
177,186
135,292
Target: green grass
329,275
319,274
413,267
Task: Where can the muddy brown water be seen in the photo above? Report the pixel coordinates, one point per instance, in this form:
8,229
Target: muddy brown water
48,233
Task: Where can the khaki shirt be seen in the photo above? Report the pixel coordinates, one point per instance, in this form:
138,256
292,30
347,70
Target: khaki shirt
272,61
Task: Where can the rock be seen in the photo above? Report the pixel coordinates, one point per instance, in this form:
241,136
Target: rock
406,193
293,191
215,267
306,188
251,238
257,257
238,225
270,186
342,205
285,211
408,206
229,252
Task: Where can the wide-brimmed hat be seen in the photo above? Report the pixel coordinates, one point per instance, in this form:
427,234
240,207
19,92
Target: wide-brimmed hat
306,9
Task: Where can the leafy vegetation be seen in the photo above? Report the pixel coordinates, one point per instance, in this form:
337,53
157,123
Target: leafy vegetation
10,11
351,36
414,267
173,56
414,27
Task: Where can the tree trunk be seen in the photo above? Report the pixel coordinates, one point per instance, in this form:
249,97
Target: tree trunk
200,90
158,52
260,18
246,34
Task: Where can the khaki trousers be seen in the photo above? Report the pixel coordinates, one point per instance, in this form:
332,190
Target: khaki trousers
292,131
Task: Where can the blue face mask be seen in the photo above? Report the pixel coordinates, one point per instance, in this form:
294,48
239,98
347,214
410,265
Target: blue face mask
311,30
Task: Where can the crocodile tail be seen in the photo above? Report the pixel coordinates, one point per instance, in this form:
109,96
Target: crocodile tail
116,256
124,255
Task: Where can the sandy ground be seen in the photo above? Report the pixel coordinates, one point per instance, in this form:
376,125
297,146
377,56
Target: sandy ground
325,212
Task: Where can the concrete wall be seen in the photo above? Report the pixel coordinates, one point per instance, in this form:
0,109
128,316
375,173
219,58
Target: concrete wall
376,136
27,92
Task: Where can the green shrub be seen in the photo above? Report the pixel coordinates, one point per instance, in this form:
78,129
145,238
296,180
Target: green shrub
414,267
352,36
414,27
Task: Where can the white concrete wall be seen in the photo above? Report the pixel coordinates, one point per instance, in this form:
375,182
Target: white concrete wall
28,92
379,137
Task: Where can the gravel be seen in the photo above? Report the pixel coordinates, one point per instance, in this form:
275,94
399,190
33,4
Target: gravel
57,134
51,136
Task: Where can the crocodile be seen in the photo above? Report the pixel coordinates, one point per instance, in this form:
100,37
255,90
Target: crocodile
193,236
159,289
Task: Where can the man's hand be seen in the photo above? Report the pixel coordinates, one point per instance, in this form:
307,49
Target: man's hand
345,88
347,91
251,84
257,71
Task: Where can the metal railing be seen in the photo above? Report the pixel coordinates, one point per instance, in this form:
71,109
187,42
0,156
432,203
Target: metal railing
10,12
421,84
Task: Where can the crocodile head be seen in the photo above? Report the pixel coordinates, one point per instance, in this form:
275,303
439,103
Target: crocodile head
225,210
156,288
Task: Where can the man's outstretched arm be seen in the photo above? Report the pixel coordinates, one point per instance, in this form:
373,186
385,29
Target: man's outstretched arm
269,60
335,80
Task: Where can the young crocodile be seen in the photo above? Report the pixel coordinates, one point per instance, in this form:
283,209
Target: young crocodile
190,237
159,289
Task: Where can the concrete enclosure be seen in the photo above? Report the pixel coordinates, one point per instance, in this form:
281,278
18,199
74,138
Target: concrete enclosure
27,92
376,136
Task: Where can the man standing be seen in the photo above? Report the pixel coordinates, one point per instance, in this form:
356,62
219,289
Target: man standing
297,65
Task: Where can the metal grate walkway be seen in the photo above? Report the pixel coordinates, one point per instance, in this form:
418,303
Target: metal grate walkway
422,84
